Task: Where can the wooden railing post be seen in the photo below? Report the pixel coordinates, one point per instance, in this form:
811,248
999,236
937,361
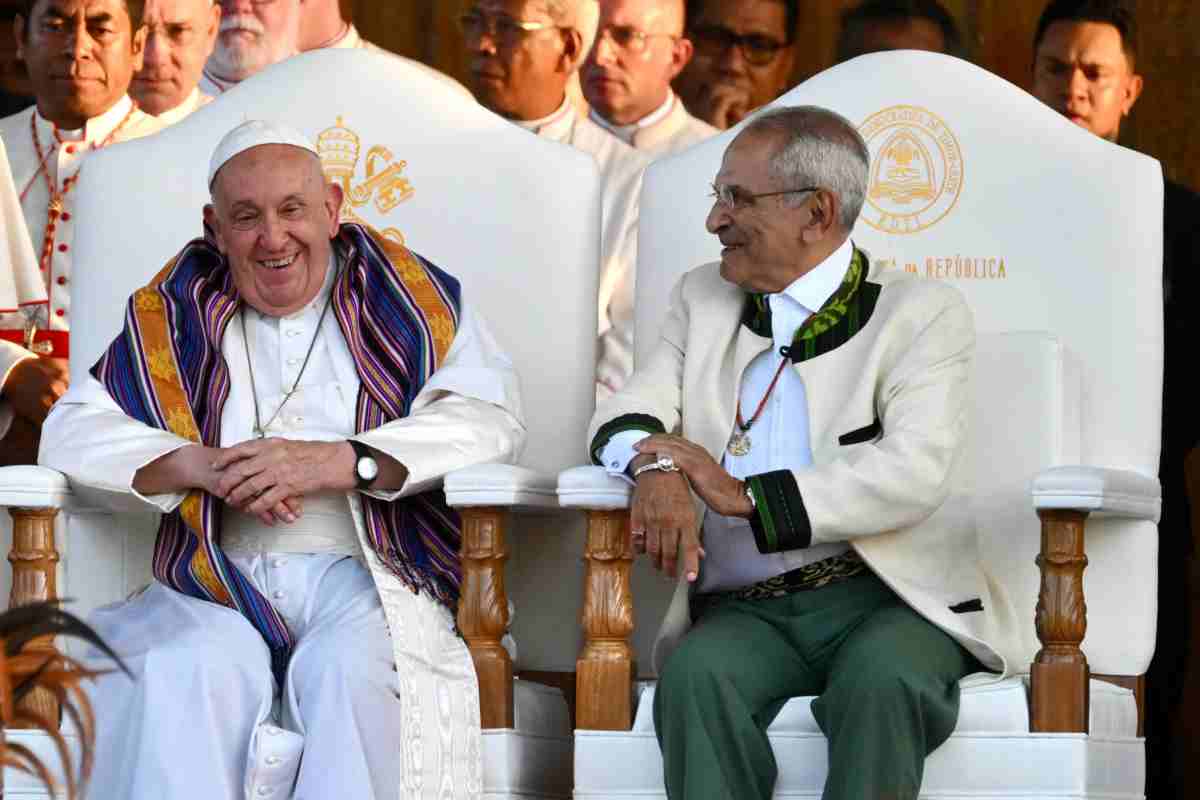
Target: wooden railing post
1059,675
34,560
483,611
604,671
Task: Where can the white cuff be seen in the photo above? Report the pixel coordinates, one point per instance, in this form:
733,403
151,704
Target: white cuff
619,451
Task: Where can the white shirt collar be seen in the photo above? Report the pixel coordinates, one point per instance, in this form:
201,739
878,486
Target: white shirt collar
814,287
560,113
625,132
96,129
189,104
348,40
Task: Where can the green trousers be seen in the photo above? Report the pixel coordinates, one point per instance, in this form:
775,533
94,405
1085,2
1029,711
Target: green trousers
886,682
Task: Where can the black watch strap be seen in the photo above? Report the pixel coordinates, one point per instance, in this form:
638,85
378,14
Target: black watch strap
361,451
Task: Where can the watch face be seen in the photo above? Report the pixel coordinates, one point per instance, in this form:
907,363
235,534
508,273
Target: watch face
367,468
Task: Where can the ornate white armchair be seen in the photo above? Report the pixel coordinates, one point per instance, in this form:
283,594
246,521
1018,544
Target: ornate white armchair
514,217
1054,236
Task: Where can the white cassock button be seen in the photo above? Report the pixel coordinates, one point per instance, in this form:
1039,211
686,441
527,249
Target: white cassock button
263,791
273,760
271,731
278,595
292,362
277,563
298,420
293,333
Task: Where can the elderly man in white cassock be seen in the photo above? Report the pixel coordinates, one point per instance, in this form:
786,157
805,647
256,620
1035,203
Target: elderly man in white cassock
289,392
523,55
81,55
180,36
253,35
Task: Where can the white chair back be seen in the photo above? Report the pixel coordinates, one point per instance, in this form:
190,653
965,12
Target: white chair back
514,217
1044,228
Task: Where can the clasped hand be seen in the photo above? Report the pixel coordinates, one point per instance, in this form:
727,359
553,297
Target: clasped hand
269,478
662,516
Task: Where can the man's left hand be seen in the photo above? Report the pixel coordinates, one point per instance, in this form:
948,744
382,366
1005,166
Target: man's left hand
261,473
720,491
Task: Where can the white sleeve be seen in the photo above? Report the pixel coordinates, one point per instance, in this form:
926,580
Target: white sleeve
89,438
619,451
469,412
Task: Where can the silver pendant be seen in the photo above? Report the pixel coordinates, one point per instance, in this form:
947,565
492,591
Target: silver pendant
739,443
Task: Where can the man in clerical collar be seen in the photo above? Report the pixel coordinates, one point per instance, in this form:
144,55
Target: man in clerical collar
824,414
1085,67
298,638
744,54
253,36
639,50
180,35
523,54
81,56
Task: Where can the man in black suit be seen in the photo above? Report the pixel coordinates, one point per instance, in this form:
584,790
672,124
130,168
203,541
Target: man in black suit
1085,67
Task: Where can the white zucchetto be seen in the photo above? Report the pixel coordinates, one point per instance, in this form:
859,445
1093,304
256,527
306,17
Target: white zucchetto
254,133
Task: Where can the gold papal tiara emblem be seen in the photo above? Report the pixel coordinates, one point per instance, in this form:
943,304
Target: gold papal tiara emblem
382,185
917,169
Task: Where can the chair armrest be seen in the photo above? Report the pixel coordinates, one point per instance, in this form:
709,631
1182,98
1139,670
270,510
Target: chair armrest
1098,490
503,485
33,487
592,487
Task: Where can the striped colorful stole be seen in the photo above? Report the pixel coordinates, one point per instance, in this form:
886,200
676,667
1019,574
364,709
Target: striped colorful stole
398,313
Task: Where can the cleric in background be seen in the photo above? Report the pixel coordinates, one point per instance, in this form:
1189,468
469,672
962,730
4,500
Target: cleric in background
253,36
101,42
288,393
180,35
523,54
875,26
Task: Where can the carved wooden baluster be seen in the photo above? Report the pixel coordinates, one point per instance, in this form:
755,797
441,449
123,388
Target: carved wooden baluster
1059,675
34,560
605,668
483,611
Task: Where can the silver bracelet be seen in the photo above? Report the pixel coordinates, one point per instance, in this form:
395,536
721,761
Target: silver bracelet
662,464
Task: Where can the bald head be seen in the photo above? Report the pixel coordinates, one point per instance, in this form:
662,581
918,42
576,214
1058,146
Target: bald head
638,52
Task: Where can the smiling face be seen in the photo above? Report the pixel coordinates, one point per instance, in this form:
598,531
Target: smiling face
625,85
519,75
1081,70
81,56
180,35
254,35
274,215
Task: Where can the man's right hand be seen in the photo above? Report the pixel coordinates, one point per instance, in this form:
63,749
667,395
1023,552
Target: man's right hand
663,520
34,385
725,106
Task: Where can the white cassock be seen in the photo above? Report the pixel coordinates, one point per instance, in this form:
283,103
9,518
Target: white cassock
667,130
63,156
192,103
381,699
621,169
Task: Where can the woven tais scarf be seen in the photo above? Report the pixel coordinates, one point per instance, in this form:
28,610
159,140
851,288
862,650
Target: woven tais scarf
398,313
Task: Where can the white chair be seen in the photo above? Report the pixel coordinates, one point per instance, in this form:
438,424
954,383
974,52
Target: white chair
514,217
1054,236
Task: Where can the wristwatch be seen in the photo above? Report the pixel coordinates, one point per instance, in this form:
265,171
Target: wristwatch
661,463
366,468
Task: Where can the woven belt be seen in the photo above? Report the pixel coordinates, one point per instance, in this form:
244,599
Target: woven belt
816,575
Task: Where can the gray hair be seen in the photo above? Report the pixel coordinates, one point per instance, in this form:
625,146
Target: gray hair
818,147
582,15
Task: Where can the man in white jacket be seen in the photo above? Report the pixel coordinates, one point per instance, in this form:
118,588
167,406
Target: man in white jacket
293,429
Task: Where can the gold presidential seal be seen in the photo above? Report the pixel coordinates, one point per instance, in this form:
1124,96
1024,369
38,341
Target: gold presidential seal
916,169
384,181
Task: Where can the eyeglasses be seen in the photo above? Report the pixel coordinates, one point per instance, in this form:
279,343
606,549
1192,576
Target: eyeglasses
629,38
735,198
505,31
716,40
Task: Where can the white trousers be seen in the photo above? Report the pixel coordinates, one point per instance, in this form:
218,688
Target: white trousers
200,719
